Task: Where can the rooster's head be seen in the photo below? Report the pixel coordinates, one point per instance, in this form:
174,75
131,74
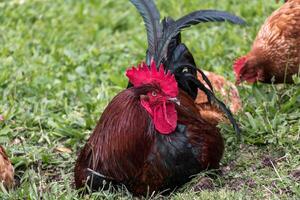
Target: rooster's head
160,96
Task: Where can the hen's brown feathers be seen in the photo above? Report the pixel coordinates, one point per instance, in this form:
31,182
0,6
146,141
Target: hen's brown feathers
277,45
6,169
228,92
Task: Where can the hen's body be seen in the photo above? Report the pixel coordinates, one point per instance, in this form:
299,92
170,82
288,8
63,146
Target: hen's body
228,92
6,169
133,153
276,49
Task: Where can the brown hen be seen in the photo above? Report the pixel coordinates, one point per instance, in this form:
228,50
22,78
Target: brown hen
228,92
275,54
6,169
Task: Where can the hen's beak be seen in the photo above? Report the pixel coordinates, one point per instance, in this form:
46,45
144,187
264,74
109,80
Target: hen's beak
175,100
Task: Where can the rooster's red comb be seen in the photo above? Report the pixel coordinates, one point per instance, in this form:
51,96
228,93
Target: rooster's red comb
143,75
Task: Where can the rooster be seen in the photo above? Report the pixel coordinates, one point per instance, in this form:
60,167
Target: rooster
151,136
147,140
275,53
6,169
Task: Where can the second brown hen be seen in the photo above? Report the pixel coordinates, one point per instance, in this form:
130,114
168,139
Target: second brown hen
228,92
6,169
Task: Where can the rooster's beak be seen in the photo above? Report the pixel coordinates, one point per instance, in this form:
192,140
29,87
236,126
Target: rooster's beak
175,100
238,82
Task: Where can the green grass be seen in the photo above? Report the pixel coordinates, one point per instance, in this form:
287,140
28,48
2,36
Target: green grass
61,62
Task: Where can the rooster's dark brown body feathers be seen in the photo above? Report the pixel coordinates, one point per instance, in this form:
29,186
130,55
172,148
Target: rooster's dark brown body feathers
136,155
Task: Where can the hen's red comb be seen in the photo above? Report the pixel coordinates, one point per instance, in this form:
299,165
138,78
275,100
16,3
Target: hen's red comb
239,64
144,75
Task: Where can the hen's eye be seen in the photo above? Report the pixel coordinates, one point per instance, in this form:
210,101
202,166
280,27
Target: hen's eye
154,94
184,70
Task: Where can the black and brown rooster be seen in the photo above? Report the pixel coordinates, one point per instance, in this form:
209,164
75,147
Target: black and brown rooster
151,137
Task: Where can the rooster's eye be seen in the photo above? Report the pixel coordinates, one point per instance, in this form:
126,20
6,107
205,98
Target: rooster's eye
184,70
154,94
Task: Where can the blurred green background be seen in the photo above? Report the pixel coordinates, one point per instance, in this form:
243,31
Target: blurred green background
61,62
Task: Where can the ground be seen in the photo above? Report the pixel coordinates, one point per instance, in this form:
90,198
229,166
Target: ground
61,62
